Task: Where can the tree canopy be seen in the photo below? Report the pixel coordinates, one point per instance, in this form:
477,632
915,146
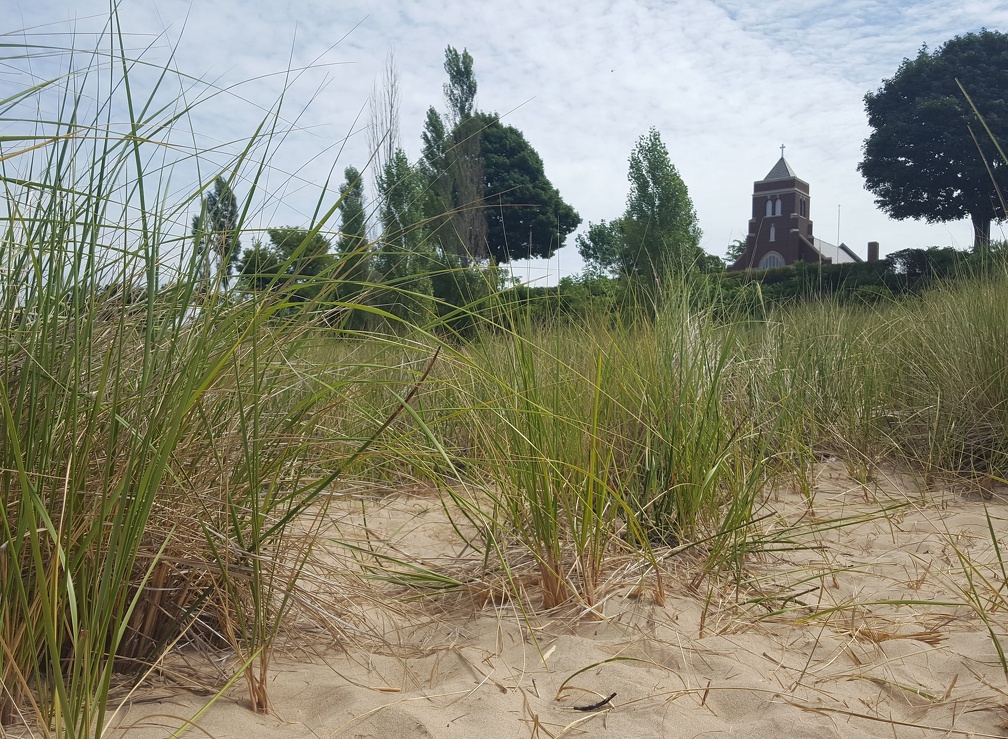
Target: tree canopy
526,217
658,233
489,196
215,230
929,156
291,263
403,258
460,89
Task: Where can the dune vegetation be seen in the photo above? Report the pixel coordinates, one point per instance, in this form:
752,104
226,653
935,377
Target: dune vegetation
172,447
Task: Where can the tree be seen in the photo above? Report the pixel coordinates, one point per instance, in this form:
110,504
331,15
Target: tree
658,234
404,258
461,191
295,263
489,196
525,215
460,89
928,155
735,250
215,231
601,247
383,124
353,271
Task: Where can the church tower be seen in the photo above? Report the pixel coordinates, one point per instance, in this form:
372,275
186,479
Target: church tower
780,231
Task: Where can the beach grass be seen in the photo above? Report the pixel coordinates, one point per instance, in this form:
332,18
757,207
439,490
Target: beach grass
171,449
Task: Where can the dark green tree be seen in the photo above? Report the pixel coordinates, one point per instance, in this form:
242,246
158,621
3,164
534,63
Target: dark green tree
215,231
295,263
735,250
489,197
353,271
525,215
658,235
460,89
928,156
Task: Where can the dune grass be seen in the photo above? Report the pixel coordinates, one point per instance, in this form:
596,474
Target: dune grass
170,449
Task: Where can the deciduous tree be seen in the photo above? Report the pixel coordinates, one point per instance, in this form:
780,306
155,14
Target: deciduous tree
404,257
525,215
489,194
658,234
928,156
295,262
215,231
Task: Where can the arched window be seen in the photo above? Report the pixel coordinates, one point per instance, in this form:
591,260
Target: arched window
770,260
769,207
777,208
801,206
773,233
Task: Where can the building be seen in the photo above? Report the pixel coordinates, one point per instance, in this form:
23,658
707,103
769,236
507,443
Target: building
780,231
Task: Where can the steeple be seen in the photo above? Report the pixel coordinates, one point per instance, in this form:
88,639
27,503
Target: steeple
781,171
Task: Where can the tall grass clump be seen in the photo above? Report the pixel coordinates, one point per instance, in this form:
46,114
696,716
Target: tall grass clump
817,385
949,405
168,448
606,439
551,450
699,463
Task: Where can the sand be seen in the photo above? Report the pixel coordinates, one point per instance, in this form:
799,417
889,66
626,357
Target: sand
855,630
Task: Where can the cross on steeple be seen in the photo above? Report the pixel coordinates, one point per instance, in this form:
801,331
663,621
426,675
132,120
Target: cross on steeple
782,151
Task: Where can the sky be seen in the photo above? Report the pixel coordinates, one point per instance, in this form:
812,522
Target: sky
725,82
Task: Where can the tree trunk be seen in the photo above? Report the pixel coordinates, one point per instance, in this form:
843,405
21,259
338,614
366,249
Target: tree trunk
981,230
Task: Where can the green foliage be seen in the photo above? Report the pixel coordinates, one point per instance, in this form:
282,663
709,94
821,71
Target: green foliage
353,224
291,264
353,272
435,140
454,201
215,230
658,236
904,272
464,294
403,258
526,217
460,89
928,155
578,300
735,250
602,246
488,194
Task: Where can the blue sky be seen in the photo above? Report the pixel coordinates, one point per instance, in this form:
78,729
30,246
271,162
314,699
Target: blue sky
726,83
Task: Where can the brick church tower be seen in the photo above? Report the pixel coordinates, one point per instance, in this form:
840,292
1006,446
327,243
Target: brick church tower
780,231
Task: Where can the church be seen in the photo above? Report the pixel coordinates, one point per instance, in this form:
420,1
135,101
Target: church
780,230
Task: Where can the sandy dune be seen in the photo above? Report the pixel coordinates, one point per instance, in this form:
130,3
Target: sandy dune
858,630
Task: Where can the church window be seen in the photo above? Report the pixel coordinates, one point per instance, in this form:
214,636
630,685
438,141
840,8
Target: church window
769,207
771,260
773,233
777,207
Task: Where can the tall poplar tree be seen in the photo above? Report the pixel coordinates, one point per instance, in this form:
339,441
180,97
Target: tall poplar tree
658,234
215,231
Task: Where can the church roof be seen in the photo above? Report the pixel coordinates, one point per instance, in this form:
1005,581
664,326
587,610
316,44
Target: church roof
781,171
841,254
